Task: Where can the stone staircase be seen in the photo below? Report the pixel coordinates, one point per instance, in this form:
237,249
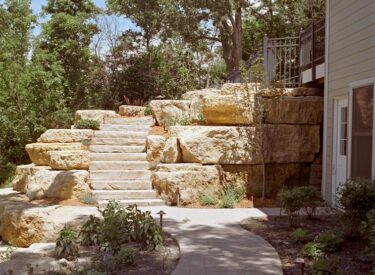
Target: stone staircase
119,169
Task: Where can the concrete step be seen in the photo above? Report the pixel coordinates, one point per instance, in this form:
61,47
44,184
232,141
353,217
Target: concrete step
118,156
149,121
119,175
119,141
133,128
117,149
150,202
119,165
121,184
121,134
123,194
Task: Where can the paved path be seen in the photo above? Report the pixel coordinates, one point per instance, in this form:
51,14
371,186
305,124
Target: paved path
213,243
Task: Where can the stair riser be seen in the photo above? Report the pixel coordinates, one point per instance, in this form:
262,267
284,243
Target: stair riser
114,127
116,149
120,175
105,185
128,196
129,121
118,157
122,134
106,165
118,141
139,204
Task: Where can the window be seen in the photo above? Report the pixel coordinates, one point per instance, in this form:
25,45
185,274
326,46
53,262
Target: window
343,131
362,129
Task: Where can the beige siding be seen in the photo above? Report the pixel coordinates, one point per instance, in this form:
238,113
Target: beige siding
351,57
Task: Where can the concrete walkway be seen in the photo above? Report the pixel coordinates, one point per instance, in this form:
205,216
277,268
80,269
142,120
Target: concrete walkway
212,242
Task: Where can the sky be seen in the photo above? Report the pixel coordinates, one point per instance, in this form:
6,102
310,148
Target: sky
36,6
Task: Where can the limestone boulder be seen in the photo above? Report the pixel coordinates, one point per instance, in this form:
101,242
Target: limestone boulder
73,184
187,181
293,110
277,176
241,145
66,135
172,151
23,175
69,160
39,152
127,110
24,223
170,112
98,115
155,147
199,93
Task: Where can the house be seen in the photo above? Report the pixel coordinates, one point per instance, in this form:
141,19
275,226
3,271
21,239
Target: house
348,142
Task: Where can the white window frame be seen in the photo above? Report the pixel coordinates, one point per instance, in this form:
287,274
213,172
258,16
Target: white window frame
354,85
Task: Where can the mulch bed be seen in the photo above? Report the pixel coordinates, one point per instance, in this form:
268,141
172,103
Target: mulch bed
353,257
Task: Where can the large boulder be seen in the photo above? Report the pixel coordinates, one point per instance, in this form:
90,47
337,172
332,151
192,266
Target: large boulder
172,151
127,110
198,93
69,160
24,223
248,145
277,176
155,146
23,175
66,135
73,184
170,112
39,152
98,115
186,181
293,110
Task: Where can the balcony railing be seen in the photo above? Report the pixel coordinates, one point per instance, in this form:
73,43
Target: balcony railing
284,59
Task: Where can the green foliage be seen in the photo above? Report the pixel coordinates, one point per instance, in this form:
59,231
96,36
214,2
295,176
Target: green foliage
66,244
311,199
232,194
330,241
207,199
371,230
7,175
125,257
323,266
291,202
87,124
356,198
299,236
148,110
90,231
313,250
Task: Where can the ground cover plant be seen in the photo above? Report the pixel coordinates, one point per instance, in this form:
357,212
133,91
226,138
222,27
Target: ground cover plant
87,124
332,243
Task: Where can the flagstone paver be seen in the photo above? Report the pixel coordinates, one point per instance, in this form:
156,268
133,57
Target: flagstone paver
213,242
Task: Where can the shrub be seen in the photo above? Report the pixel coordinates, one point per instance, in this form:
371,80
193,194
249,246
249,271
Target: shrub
371,230
313,250
292,202
299,236
356,198
330,241
66,244
148,110
311,199
90,231
112,263
7,174
324,266
87,124
206,199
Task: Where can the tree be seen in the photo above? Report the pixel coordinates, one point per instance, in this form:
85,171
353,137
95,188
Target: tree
67,35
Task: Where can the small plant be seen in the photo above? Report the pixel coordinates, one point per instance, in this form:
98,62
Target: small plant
66,244
292,202
324,266
90,231
112,263
311,200
87,124
356,198
206,199
370,230
313,250
148,110
7,254
330,241
228,199
299,236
